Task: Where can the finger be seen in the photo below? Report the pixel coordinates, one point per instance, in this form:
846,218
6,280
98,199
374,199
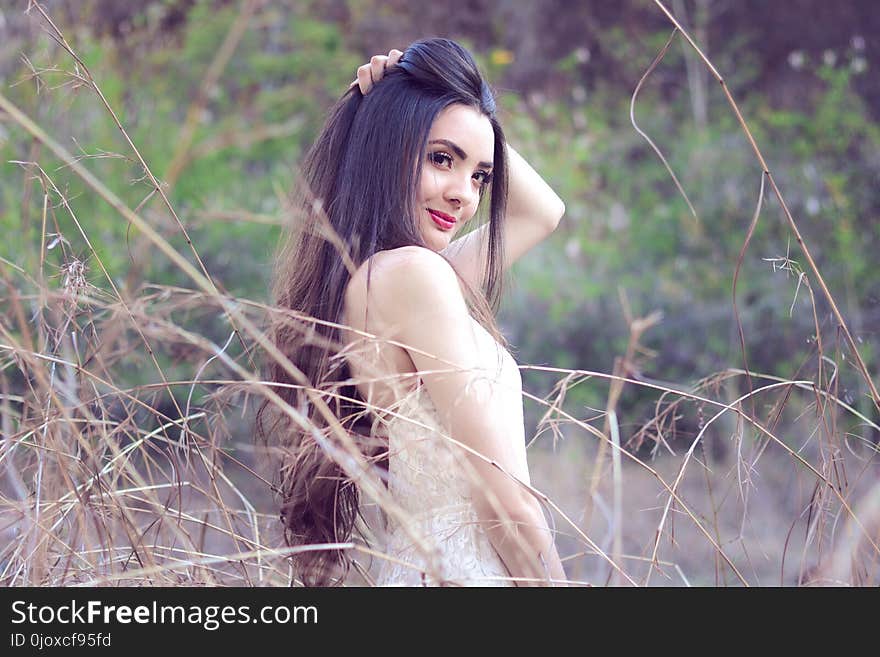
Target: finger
364,78
394,56
377,67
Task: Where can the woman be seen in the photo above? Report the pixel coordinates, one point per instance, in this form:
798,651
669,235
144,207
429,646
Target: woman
405,352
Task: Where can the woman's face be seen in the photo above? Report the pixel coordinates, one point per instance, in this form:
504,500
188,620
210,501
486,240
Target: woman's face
460,152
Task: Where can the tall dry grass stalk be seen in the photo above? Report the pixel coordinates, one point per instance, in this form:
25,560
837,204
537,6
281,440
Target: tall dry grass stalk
108,482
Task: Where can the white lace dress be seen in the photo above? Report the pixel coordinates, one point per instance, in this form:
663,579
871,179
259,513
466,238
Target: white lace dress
442,543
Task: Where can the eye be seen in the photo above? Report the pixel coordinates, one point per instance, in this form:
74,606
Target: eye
482,177
441,159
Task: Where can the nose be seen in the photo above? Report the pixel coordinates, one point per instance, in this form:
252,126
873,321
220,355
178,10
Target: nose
460,190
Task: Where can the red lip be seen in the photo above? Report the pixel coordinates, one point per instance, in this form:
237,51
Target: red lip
442,220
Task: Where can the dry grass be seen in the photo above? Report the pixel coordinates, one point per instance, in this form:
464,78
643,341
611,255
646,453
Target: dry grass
108,483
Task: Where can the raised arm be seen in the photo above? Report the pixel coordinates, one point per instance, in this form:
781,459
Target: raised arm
417,300
533,213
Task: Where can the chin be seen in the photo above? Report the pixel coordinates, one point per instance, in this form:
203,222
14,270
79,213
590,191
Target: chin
436,240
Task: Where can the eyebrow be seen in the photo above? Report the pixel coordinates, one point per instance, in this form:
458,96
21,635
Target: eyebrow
458,151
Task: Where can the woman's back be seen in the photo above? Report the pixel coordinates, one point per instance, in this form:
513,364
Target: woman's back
430,476
384,371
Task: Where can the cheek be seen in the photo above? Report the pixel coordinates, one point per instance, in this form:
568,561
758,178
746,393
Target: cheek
429,184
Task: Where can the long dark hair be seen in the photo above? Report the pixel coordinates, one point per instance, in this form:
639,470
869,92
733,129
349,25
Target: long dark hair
359,198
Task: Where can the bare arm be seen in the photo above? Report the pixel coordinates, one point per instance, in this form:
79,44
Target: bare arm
418,300
533,213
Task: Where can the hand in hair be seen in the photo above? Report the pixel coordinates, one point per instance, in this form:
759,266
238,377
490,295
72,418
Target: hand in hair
370,74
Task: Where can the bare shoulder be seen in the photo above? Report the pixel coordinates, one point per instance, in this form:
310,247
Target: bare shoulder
409,268
410,283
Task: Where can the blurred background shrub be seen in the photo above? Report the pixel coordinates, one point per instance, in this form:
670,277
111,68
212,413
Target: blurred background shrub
804,74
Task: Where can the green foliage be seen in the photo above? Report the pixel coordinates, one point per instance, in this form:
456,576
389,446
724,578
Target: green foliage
627,229
280,80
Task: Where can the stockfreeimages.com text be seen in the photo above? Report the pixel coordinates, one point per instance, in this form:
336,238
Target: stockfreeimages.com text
210,617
